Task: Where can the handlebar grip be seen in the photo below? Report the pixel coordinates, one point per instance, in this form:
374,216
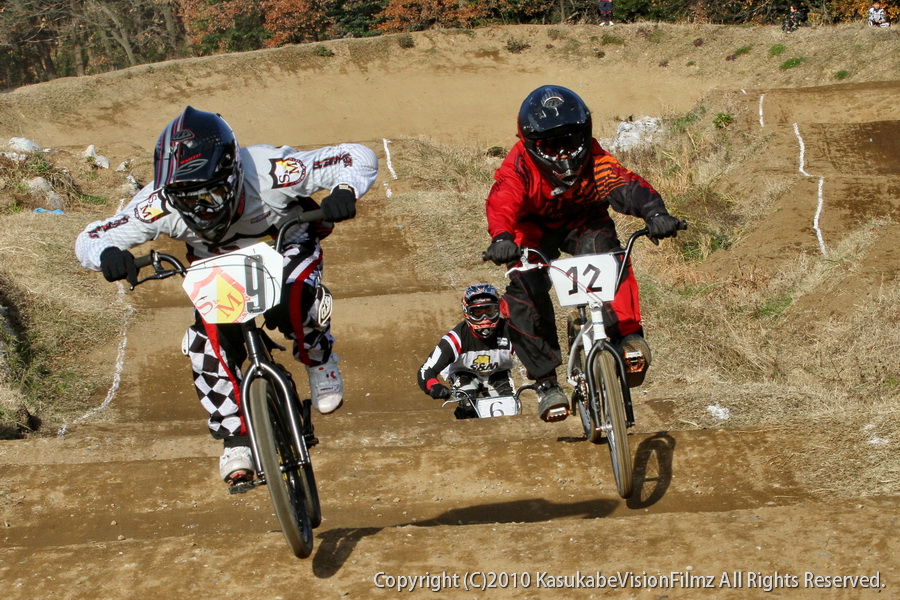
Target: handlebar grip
484,255
682,225
311,215
143,261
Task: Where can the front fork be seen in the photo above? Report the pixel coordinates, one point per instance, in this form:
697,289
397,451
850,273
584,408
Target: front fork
261,365
595,330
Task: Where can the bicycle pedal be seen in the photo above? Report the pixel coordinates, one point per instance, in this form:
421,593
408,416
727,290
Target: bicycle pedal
242,487
557,414
635,362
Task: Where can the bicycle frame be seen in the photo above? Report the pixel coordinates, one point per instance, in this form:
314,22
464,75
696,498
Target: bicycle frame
591,349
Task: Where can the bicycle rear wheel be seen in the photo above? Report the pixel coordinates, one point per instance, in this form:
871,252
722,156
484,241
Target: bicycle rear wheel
613,414
280,460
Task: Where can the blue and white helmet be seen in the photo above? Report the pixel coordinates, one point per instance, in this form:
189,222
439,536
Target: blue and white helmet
481,305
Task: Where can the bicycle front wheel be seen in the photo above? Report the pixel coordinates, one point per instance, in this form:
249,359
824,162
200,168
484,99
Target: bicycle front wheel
613,414
280,460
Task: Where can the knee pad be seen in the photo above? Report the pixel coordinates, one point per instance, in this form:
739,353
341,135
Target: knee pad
324,304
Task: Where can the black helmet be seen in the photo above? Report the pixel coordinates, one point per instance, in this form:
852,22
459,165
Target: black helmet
481,303
555,126
198,168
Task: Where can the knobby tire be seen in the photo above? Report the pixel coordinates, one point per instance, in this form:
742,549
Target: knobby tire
286,488
613,413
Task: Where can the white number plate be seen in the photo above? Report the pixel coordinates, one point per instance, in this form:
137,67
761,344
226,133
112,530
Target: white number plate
583,279
238,286
499,406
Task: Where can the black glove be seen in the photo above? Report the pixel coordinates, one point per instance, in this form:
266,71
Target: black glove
118,264
662,225
439,391
502,250
340,205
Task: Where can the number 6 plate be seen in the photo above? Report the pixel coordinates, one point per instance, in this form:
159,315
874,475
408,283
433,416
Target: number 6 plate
584,279
236,287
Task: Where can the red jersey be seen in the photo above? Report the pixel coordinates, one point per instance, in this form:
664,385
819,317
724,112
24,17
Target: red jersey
522,201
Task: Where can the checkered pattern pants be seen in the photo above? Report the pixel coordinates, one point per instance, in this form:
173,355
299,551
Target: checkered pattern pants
217,352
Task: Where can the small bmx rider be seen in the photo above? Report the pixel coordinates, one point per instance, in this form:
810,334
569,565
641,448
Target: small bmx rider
475,356
217,197
553,192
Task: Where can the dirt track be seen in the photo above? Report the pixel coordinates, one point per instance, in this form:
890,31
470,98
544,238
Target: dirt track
128,504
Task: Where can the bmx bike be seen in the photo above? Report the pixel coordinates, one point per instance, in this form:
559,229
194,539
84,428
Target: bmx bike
235,288
597,368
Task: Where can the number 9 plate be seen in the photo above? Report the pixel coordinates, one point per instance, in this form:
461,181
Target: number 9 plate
238,286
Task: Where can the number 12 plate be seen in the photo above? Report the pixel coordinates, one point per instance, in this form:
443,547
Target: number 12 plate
584,279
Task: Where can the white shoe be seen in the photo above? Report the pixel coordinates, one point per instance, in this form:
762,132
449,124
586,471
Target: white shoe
326,385
236,464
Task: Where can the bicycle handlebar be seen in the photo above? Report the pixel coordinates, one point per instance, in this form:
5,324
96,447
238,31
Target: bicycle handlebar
682,226
457,394
143,261
155,259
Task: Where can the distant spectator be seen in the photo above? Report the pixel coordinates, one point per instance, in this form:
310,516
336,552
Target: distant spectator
795,17
877,16
606,12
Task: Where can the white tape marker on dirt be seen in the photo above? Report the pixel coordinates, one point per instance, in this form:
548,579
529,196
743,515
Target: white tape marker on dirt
761,124
816,219
120,357
802,150
387,153
821,201
117,372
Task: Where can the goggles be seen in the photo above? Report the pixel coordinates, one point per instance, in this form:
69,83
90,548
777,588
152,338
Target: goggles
480,312
560,147
203,202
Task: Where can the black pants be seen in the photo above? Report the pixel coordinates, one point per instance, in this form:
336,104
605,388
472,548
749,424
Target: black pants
528,306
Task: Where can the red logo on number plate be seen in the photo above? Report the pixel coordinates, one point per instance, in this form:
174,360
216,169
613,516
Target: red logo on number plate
219,298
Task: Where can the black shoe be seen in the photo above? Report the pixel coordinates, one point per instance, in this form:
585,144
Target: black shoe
553,405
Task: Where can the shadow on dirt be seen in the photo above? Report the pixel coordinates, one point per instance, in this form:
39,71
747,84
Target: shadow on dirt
336,545
652,470
652,477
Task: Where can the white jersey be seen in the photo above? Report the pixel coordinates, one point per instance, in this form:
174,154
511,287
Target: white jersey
278,181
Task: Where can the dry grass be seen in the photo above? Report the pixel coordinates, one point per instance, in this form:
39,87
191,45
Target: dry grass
444,212
59,312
